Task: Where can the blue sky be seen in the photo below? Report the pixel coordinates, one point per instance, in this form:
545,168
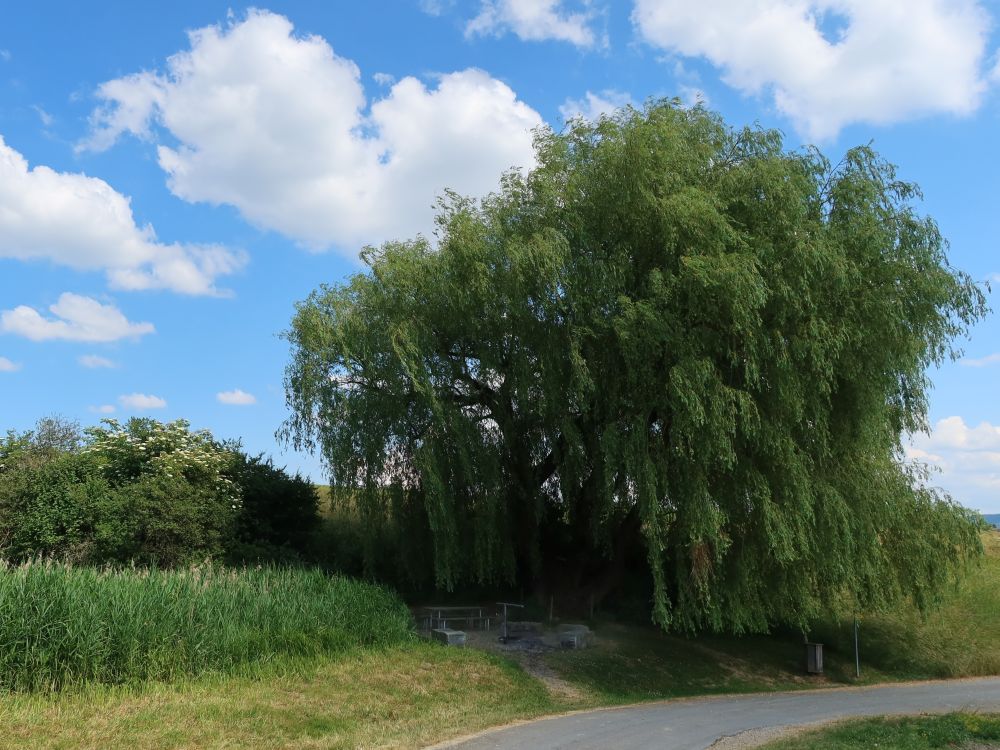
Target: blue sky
175,176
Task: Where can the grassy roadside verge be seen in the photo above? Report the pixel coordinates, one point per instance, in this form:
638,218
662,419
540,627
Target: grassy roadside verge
961,638
413,694
909,733
398,697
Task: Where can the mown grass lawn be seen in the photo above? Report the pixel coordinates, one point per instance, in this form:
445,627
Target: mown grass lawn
400,697
908,733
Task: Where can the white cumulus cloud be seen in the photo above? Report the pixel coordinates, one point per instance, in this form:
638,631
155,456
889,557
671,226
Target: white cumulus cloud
76,318
829,63
141,402
103,409
83,223
236,398
94,362
535,20
7,366
967,459
279,126
592,105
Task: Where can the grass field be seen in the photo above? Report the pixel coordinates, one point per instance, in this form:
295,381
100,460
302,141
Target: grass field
411,694
912,733
400,697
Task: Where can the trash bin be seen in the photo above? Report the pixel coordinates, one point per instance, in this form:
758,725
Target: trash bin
814,658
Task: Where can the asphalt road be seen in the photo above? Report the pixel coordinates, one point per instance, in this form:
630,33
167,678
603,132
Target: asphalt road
697,723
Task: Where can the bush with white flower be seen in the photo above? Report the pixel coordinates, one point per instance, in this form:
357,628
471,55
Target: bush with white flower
141,492
144,447
173,501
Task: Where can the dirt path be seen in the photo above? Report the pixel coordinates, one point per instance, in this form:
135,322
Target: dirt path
532,661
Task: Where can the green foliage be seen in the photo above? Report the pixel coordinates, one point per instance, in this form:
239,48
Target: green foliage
279,512
51,437
173,501
142,492
63,626
671,333
143,447
163,520
49,508
958,638
392,547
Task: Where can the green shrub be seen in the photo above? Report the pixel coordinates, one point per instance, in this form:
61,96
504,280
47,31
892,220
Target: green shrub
162,520
49,508
394,547
279,514
62,626
142,492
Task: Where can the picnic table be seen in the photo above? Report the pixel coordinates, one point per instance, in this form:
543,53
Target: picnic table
471,617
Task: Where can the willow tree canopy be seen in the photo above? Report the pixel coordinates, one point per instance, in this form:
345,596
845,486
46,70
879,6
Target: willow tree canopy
673,334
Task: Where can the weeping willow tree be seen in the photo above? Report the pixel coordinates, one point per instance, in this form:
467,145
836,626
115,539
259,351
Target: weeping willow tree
672,336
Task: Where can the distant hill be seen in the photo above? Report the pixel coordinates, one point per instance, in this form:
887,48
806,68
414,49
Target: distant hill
993,519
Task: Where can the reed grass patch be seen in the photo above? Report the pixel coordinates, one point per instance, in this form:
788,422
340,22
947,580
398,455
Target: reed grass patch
62,626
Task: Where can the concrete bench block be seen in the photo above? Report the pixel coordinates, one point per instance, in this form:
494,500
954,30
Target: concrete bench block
574,636
524,627
449,637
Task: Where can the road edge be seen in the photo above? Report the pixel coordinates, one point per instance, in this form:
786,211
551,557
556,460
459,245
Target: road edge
456,741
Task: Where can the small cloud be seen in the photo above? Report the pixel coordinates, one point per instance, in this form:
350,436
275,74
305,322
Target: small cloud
436,7
94,362
44,116
5,55
103,409
692,96
141,402
535,21
965,458
7,366
384,79
236,398
77,318
991,359
593,106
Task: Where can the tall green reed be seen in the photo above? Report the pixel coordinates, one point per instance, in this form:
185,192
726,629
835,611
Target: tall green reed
62,626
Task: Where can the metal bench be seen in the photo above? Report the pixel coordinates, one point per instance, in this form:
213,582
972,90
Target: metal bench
434,618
